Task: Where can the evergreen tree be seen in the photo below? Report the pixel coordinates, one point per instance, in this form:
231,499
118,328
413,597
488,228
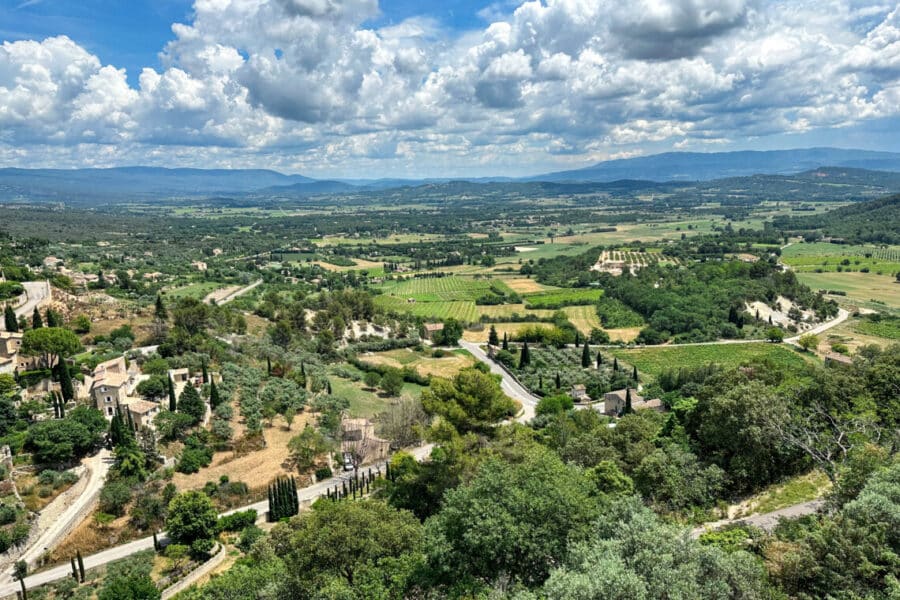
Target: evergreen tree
586,356
634,374
205,373
190,403
172,401
159,311
599,359
101,280
268,366
65,381
36,321
505,342
524,356
214,399
80,564
615,365
493,338
577,339
52,318
628,408
9,316
558,381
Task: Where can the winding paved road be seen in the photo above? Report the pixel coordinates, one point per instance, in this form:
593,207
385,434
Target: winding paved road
510,386
38,292
307,494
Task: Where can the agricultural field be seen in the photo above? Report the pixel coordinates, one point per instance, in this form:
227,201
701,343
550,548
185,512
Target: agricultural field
197,290
446,366
363,401
864,289
824,257
442,289
883,327
655,360
480,334
560,298
584,318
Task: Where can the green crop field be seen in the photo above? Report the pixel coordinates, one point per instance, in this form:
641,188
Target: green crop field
442,289
557,298
825,257
861,288
655,360
461,310
885,327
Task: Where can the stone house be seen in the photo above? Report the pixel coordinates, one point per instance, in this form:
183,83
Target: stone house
358,438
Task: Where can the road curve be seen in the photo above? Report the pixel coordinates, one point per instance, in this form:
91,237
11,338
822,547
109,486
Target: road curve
510,386
307,494
37,292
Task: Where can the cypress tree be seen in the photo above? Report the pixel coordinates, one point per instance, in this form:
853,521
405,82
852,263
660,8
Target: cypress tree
615,365
558,382
268,366
155,542
585,356
577,339
53,318
80,565
160,309
493,338
524,357
214,399
634,373
599,359
205,373
172,402
65,381
328,386
505,342
9,317
36,322
628,408
74,569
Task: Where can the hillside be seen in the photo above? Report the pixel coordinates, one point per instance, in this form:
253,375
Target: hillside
874,221
701,166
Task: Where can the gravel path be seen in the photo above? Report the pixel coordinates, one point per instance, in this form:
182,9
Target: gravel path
766,521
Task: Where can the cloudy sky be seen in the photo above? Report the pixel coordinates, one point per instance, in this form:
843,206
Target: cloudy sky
415,88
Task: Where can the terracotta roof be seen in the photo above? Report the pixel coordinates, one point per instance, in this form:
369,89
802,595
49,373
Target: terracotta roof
434,326
142,407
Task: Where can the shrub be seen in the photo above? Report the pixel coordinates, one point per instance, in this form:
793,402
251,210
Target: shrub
114,496
249,536
237,521
549,405
323,473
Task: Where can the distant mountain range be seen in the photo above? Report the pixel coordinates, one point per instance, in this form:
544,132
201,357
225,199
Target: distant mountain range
696,166
131,183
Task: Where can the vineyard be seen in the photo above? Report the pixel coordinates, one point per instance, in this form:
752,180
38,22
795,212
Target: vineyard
824,258
561,298
442,289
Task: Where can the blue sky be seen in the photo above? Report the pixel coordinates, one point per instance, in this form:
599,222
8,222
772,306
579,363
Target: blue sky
358,88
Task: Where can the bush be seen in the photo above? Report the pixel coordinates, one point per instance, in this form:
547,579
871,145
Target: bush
114,496
237,521
323,473
550,405
249,536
